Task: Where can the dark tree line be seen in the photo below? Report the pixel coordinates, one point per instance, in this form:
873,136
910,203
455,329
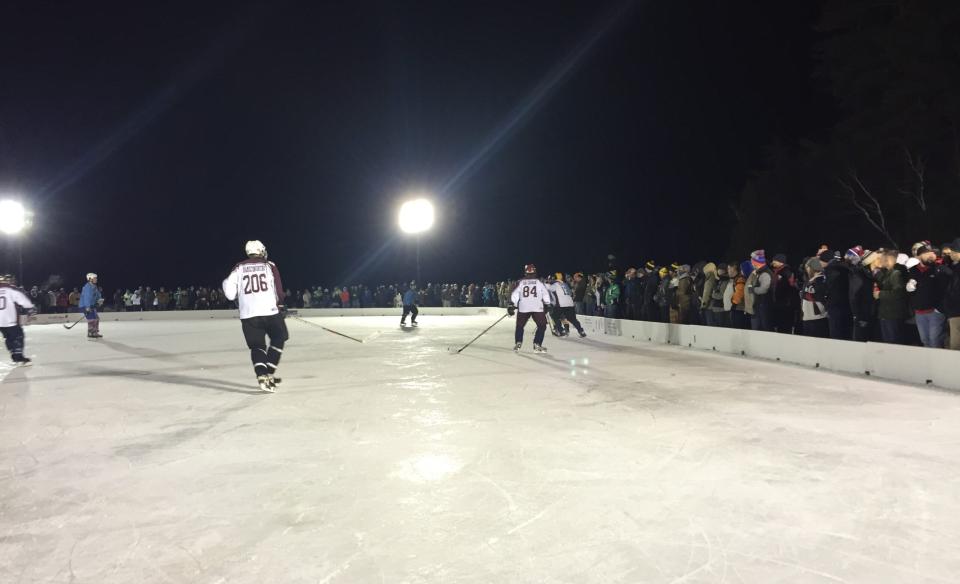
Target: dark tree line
887,173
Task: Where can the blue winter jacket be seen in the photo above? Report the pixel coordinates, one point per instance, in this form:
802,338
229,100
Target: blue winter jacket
409,297
89,296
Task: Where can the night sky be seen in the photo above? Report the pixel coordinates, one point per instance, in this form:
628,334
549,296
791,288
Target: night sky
152,140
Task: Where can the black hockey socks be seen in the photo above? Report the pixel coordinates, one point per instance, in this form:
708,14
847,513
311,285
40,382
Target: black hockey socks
273,356
259,358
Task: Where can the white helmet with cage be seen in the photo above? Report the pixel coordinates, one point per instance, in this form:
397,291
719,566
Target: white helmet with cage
256,248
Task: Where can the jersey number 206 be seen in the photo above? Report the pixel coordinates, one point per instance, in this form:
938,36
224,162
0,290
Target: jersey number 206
254,283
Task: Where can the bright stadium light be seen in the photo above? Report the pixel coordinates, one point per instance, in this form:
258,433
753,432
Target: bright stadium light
13,217
416,216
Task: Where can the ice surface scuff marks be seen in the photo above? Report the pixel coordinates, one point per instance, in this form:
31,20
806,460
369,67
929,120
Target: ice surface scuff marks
427,468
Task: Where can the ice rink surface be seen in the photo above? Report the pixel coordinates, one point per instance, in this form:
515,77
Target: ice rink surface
150,456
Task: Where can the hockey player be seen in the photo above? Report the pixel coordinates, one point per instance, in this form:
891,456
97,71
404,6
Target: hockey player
90,300
529,298
410,305
255,284
11,299
563,312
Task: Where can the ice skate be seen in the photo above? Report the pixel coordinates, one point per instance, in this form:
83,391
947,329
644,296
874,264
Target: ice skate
22,361
275,379
539,349
413,323
582,334
94,335
516,348
266,384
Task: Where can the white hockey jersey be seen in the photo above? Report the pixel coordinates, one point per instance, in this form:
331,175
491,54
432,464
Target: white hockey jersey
255,285
10,299
530,295
561,292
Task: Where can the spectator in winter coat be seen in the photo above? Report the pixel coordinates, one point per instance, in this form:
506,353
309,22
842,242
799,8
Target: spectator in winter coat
861,292
738,315
705,288
837,273
784,295
651,284
661,309
685,294
721,301
951,297
890,293
926,292
812,305
760,289
612,297
579,292
631,295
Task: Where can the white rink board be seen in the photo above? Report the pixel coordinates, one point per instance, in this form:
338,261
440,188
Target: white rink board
149,457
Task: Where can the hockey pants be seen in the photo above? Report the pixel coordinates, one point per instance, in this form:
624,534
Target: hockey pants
409,309
539,318
265,359
13,337
93,321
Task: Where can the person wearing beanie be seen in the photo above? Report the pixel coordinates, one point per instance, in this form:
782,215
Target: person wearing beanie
837,273
651,284
631,295
951,298
721,302
738,314
862,304
664,295
926,289
758,286
812,306
785,297
706,293
684,295
579,292
890,294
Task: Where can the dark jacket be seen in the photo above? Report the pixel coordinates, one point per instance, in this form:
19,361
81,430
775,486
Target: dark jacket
580,290
951,296
892,303
861,294
838,287
784,289
930,288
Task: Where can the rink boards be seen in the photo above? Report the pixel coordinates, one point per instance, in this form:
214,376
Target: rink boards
914,365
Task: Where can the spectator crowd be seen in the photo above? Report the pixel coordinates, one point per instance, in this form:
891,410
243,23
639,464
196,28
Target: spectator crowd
860,295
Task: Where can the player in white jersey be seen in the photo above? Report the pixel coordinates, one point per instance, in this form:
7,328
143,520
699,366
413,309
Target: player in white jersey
563,312
529,299
11,300
255,284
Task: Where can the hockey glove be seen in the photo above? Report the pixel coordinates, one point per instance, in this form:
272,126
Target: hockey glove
511,310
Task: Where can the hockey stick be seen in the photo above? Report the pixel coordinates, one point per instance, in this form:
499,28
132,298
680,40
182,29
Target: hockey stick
70,326
483,333
328,330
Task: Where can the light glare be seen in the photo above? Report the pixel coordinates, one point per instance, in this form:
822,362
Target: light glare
416,216
13,217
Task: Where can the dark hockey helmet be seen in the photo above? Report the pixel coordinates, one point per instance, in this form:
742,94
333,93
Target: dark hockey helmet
529,270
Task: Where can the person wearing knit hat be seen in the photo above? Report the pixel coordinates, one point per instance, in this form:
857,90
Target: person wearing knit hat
758,288
813,297
839,313
784,295
862,302
926,291
854,255
951,299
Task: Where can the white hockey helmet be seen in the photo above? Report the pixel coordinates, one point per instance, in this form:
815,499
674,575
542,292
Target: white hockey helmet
256,248
91,276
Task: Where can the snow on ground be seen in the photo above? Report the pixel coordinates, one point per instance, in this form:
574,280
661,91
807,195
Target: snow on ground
151,457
